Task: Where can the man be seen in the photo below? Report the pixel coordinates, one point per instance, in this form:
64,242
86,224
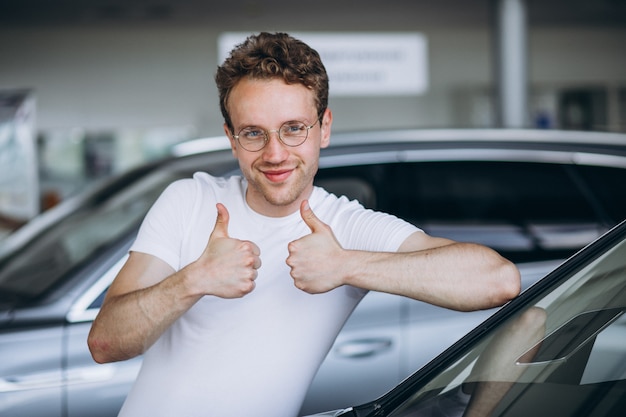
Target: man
236,288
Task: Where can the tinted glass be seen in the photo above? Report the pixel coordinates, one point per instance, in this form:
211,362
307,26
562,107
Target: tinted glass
486,192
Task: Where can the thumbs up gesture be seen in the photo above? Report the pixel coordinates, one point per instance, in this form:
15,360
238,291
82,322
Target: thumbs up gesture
315,259
228,267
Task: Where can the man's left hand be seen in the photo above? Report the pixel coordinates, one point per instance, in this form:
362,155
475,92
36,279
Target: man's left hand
315,259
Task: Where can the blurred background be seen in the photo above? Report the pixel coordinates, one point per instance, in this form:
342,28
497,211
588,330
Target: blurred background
91,88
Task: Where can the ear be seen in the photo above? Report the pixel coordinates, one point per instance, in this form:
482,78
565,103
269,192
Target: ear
229,135
326,123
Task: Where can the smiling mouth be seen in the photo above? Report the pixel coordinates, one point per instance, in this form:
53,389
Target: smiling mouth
277,176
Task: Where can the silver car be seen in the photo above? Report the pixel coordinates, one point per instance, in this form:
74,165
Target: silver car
535,196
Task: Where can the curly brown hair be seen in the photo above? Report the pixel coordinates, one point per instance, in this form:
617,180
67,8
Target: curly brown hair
273,55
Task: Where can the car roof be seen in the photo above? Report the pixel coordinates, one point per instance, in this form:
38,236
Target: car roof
440,136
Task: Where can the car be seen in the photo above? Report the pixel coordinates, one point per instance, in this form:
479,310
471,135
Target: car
557,350
536,196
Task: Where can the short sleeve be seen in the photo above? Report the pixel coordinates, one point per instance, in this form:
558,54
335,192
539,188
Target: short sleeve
163,228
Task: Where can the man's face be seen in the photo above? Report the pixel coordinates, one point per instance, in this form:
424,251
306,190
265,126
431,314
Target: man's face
279,176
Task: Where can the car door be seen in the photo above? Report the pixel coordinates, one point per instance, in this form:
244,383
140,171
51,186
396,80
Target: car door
366,358
95,390
31,377
533,212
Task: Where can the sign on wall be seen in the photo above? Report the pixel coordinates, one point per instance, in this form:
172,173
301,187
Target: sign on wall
362,64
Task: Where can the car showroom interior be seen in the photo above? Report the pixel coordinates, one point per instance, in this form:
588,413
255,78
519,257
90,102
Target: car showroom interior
498,122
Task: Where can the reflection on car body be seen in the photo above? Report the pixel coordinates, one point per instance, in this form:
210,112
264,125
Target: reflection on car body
535,196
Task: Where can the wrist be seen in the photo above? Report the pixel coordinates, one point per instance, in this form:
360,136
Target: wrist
187,280
353,268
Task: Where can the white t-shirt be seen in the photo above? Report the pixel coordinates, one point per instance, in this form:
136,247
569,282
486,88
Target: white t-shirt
256,355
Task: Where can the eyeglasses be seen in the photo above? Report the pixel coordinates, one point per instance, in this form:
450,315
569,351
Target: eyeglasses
292,134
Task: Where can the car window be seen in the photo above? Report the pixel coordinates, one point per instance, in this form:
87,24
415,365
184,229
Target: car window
527,211
71,242
565,349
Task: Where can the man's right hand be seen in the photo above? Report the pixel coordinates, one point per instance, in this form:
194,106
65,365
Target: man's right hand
228,267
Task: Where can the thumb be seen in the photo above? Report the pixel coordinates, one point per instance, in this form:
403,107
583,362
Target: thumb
309,217
221,223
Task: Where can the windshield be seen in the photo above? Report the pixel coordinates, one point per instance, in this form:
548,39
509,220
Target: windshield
564,355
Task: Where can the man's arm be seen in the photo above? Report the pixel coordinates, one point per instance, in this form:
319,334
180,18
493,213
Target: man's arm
460,276
147,295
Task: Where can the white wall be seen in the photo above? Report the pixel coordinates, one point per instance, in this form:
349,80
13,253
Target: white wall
150,77
102,77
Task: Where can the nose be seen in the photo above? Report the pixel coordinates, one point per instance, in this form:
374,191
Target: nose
275,150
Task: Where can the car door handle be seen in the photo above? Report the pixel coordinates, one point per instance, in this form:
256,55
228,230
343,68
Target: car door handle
31,381
56,378
87,374
360,348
